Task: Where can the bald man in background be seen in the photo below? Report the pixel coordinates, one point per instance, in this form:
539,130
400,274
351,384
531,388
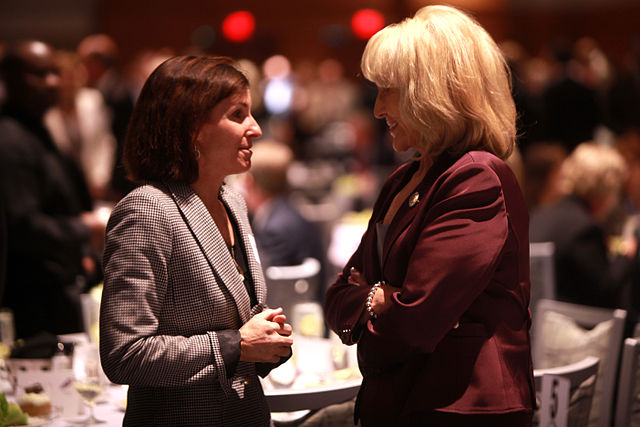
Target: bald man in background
53,235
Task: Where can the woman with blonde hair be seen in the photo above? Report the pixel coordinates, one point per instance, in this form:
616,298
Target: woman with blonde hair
591,181
595,173
436,296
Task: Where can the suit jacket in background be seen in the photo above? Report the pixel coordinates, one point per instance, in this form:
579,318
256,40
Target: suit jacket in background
171,288
585,274
45,238
456,337
285,237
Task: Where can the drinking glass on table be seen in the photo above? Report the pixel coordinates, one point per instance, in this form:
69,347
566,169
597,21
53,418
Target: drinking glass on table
88,378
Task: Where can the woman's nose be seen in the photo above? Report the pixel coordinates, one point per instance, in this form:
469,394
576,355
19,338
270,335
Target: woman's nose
254,128
379,108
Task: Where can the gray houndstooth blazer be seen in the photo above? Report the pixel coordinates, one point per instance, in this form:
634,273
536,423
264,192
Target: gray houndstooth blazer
169,284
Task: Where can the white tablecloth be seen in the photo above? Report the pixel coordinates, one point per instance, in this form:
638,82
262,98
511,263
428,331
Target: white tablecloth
320,373
110,409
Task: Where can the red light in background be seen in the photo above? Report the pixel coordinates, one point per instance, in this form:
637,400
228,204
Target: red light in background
238,26
366,22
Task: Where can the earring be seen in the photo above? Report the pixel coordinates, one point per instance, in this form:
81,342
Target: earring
197,152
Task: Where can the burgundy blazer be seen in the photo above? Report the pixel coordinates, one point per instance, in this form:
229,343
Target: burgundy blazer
456,337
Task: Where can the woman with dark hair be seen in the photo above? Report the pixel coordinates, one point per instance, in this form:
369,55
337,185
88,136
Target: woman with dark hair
437,293
183,318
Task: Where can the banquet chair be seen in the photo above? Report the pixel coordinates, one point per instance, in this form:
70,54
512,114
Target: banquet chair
290,285
565,333
628,399
571,404
542,272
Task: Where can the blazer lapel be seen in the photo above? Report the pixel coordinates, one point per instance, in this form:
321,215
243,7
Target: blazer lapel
408,211
249,245
213,246
402,218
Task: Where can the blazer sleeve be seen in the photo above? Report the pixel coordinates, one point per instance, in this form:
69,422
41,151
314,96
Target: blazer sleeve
345,303
455,257
133,350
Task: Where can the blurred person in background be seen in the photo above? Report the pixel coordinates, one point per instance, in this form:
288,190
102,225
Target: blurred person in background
143,64
283,235
593,68
80,126
623,100
624,225
255,77
591,180
53,234
329,97
542,162
628,145
437,293
570,111
526,100
99,55
183,319
516,163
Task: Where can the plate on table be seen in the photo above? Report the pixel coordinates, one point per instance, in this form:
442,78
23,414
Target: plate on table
39,421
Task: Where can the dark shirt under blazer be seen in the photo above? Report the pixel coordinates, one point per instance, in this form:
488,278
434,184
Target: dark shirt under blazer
456,336
170,288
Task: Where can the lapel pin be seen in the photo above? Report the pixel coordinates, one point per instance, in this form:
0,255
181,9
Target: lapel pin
414,199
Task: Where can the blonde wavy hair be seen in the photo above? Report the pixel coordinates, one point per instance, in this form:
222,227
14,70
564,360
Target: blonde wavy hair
593,170
454,83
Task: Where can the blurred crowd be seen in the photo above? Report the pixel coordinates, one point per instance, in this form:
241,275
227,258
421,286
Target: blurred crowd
567,95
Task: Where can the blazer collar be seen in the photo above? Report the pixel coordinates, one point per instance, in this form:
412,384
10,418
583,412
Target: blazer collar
249,245
406,213
212,244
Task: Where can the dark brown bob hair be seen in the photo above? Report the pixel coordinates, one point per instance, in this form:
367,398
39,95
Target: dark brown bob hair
173,105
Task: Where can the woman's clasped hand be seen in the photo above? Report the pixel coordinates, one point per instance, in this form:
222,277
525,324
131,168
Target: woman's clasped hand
266,337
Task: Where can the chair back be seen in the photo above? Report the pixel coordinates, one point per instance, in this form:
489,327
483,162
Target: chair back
565,333
627,402
569,404
292,284
542,272
324,215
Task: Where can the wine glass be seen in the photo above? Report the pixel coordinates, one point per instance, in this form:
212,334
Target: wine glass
88,382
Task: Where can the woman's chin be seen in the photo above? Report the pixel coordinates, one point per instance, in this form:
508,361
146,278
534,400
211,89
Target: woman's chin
399,148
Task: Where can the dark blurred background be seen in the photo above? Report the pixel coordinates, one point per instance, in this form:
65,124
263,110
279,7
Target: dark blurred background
575,67
305,29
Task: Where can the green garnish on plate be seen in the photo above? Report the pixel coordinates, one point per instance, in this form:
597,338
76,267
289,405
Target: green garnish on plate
11,414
